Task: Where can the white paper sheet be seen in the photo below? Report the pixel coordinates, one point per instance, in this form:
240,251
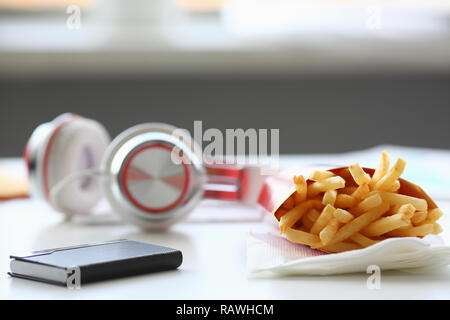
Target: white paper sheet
270,254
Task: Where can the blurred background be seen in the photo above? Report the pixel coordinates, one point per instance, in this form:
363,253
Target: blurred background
333,75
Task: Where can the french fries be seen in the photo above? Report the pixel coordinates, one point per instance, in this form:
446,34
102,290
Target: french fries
362,240
293,215
325,185
418,217
361,192
386,224
344,201
329,197
434,215
300,186
368,203
407,209
358,223
340,247
390,178
309,218
343,215
382,169
325,216
353,208
358,174
400,199
437,228
319,175
327,233
420,231
301,237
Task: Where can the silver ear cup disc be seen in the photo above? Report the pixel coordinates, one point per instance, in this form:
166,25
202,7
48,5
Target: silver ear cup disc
152,181
154,177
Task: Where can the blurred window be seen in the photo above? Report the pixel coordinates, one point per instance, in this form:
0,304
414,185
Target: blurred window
42,4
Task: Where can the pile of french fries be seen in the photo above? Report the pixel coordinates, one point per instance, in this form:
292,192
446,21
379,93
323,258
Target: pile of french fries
350,209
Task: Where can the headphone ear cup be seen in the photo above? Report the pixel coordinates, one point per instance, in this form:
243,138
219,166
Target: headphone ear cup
78,146
117,162
70,146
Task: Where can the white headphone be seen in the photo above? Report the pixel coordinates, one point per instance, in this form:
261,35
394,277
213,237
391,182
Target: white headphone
140,180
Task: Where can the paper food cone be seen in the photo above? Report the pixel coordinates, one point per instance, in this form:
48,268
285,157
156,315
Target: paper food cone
278,188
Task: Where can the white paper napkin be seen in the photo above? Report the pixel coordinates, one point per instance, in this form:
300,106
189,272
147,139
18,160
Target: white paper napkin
269,253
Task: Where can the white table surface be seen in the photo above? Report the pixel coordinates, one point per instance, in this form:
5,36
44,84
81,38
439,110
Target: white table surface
214,265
